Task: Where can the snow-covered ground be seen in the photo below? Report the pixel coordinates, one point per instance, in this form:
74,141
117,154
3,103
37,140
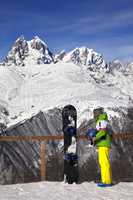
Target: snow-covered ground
61,191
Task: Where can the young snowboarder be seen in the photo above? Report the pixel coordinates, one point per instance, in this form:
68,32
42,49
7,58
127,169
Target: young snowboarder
102,141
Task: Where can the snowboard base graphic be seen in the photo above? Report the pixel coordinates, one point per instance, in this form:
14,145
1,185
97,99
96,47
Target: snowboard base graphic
69,121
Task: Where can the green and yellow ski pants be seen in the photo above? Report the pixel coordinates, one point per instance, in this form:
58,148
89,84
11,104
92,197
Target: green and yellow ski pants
104,163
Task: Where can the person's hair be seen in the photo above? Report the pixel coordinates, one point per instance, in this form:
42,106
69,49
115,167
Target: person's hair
99,110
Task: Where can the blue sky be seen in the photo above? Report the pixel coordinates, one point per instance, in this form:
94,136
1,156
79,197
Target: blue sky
103,25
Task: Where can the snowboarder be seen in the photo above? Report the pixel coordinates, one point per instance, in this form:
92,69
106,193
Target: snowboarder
102,141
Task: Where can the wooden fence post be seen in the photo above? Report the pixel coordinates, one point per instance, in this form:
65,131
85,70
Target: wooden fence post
43,160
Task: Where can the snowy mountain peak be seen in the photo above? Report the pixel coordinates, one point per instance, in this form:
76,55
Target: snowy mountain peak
116,65
18,52
21,38
84,56
60,56
91,61
37,43
25,52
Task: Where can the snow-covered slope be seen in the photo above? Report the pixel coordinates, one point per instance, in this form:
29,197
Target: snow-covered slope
60,191
59,84
10,83
34,87
28,52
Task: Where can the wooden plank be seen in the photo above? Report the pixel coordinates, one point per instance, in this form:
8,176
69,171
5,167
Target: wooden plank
31,138
57,137
122,136
43,161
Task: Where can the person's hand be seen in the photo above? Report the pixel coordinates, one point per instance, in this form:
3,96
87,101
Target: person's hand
94,140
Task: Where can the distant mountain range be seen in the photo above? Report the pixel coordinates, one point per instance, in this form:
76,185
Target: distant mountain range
36,51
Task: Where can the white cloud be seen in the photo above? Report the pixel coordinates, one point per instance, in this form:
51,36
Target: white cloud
94,24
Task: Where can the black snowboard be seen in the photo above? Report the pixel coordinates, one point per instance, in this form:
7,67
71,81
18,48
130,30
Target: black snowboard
69,120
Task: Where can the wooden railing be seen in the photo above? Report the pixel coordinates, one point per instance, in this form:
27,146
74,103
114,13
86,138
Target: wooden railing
44,139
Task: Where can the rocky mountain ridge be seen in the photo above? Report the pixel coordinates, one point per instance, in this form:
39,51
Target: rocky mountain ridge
28,52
